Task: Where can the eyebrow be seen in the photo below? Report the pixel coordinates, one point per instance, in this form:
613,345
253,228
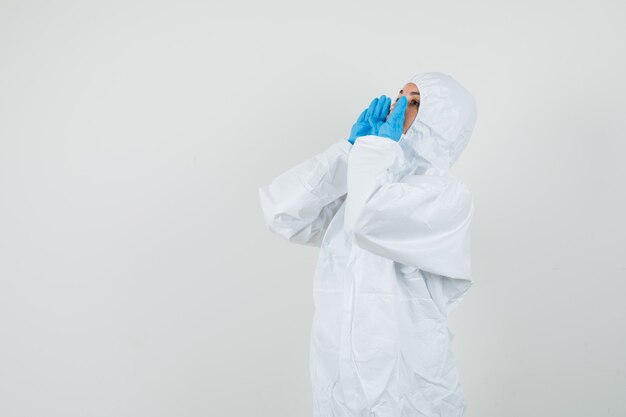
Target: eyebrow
401,91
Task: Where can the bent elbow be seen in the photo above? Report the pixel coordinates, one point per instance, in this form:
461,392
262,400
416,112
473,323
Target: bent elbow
295,233
365,238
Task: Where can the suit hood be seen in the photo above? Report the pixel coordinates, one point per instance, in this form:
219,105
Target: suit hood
442,127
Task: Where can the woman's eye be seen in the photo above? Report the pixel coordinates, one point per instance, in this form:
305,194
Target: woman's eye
413,102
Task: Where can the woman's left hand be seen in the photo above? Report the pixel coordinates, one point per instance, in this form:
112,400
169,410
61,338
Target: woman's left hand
392,128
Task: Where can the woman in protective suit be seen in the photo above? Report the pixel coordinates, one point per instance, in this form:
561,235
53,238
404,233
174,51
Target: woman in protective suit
392,225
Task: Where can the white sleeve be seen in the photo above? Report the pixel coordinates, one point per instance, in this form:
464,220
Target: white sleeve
419,220
299,204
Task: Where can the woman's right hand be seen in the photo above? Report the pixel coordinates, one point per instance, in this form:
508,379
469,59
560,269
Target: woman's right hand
371,118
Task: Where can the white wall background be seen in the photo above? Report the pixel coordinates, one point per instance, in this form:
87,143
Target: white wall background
136,276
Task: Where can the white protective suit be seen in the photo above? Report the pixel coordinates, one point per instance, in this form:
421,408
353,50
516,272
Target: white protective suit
392,225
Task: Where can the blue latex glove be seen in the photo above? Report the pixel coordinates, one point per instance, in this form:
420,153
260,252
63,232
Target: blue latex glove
376,117
392,128
360,128
371,118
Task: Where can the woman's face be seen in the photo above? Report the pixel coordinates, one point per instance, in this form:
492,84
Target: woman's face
412,94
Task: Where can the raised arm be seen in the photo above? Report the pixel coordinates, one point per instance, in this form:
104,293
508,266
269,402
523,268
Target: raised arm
299,204
419,220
